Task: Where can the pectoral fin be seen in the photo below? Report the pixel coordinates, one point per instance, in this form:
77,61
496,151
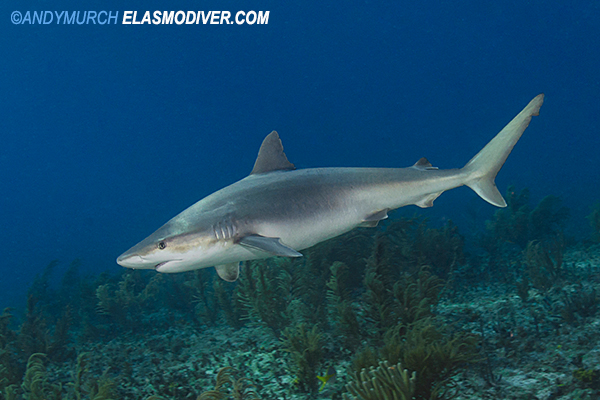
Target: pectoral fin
229,272
269,245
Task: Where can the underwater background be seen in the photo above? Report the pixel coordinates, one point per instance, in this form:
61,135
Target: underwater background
109,131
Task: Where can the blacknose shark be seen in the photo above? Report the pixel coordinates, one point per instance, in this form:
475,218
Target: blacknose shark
279,210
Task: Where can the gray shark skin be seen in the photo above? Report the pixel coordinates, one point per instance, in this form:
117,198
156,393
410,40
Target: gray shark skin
278,210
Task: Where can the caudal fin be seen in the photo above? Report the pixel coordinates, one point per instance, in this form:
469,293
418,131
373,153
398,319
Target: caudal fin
482,169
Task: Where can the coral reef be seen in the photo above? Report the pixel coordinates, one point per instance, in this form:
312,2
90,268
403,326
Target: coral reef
435,355
228,303
36,385
305,348
378,282
544,262
417,295
415,244
85,385
580,304
263,294
386,382
518,223
594,219
8,363
125,303
343,314
228,385
200,286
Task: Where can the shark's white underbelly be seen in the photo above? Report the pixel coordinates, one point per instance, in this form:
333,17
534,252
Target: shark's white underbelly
303,233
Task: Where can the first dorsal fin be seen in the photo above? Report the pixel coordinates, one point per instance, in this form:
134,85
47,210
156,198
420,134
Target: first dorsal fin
271,156
423,163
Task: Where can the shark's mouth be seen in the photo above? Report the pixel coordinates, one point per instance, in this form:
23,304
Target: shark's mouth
171,266
162,264
157,266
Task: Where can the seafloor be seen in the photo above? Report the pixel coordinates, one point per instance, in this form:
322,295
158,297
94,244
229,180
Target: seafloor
527,364
507,313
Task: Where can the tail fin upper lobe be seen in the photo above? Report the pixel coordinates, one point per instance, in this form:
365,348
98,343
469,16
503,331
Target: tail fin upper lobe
482,169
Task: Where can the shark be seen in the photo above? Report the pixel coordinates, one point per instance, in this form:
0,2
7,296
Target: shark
279,210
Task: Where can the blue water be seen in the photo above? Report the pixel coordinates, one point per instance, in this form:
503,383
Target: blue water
109,131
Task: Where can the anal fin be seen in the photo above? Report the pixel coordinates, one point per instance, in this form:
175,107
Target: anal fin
427,201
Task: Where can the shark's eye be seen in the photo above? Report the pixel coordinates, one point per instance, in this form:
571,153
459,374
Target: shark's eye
162,245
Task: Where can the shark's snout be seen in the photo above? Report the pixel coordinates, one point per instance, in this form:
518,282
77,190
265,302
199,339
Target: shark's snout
129,260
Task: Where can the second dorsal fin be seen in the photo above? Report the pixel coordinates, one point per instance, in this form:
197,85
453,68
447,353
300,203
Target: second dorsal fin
271,156
423,163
